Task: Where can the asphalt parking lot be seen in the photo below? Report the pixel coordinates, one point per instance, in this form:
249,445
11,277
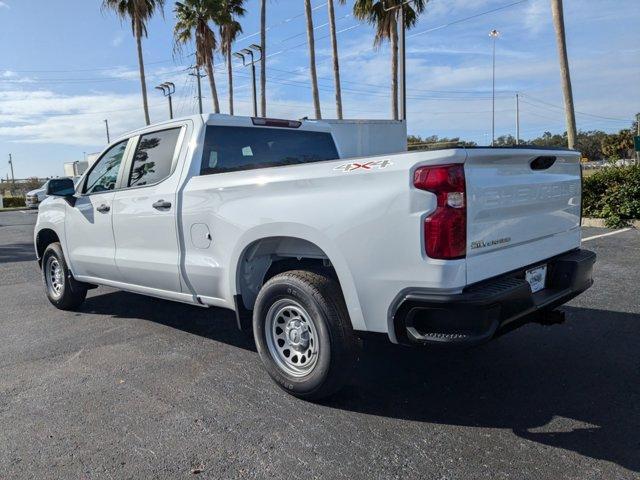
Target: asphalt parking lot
134,387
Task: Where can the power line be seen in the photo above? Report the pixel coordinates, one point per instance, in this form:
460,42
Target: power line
471,17
580,113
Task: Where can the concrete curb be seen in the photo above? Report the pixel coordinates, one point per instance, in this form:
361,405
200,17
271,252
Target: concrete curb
599,222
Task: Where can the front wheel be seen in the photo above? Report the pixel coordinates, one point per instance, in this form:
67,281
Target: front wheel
62,290
303,333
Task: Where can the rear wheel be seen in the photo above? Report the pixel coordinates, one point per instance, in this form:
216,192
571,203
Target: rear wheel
62,290
303,333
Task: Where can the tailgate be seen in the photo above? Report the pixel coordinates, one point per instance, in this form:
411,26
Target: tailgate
523,206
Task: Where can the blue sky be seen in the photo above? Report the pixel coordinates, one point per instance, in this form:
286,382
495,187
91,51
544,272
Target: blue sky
65,66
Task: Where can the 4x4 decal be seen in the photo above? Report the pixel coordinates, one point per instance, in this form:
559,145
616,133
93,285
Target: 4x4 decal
349,167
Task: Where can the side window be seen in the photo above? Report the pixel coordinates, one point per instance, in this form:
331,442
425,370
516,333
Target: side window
104,174
153,158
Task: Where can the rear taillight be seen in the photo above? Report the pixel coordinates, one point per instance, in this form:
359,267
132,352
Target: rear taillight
445,230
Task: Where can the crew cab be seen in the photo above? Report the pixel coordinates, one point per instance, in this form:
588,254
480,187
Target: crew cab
312,247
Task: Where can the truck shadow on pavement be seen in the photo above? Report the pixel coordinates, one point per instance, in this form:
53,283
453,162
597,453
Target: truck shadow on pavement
574,386
17,252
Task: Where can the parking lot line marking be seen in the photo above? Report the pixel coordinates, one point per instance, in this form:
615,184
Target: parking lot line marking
606,234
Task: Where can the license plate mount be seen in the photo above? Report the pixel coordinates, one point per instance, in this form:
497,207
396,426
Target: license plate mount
537,278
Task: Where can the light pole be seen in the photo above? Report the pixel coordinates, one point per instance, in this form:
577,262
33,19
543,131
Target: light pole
106,125
517,119
494,34
257,48
242,54
168,89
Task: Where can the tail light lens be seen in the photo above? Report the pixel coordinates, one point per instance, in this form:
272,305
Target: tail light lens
445,230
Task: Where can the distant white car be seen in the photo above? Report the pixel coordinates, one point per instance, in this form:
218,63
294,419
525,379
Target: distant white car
34,197
312,248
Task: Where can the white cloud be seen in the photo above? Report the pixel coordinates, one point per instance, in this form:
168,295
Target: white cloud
537,16
4,4
117,39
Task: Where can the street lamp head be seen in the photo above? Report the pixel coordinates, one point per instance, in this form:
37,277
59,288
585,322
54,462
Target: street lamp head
169,86
494,33
255,46
162,87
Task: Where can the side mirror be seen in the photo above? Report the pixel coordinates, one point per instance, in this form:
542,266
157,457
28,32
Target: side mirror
61,187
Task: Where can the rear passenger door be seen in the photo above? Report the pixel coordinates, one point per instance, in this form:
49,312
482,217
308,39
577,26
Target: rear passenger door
144,211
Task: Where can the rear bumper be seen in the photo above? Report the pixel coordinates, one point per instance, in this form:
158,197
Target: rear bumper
492,307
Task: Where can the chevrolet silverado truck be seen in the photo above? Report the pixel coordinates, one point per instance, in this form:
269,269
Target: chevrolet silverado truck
311,247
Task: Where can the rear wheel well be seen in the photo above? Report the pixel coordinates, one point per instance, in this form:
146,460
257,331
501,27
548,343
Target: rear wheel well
45,237
268,257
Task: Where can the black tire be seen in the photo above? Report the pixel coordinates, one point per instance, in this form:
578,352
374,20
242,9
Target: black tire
68,293
321,298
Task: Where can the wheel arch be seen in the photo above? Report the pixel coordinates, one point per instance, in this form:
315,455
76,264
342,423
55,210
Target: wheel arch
266,255
44,238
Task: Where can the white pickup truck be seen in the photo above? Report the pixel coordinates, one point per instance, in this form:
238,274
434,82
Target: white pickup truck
311,250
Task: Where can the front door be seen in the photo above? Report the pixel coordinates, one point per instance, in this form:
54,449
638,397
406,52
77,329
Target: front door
144,213
88,223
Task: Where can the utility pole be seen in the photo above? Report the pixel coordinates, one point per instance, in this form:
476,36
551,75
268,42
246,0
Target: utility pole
168,89
198,77
493,34
517,119
13,179
106,124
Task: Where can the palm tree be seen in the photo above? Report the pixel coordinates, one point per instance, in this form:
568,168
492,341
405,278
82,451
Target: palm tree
384,15
229,30
336,64
263,58
193,17
140,12
312,58
558,22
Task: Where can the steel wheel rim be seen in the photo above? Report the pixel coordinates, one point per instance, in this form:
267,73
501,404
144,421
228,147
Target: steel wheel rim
54,277
292,337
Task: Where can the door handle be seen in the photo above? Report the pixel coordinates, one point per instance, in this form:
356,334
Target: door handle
161,205
103,208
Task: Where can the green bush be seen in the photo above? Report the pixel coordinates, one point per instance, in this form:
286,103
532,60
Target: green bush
10,202
613,193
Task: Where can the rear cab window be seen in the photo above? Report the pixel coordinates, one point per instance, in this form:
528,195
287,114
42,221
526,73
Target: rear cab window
230,149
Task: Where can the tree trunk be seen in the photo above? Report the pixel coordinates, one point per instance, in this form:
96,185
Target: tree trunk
312,59
230,80
558,22
394,70
263,59
143,80
336,63
212,84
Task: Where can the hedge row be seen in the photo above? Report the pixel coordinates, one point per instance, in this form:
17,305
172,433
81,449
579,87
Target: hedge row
9,202
613,193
